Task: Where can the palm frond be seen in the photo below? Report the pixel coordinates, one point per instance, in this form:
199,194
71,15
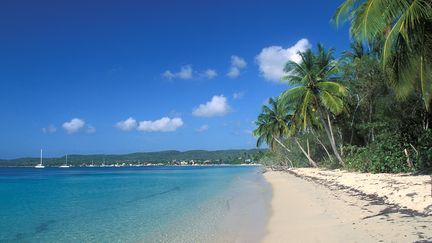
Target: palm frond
333,88
368,19
343,11
390,41
292,95
331,102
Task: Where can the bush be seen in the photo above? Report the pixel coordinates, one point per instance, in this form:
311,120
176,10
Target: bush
384,155
424,150
330,164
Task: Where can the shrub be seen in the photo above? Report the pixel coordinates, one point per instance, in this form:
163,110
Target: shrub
384,155
424,150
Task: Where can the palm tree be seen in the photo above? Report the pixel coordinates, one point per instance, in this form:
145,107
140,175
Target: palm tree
406,27
272,125
316,94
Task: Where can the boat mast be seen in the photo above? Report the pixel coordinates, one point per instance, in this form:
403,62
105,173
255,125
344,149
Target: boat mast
66,159
41,157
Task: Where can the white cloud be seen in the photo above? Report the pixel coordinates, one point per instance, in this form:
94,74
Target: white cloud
272,59
237,61
186,72
90,129
237,64
168,74
165,124
238,95
50,129
210,73
127,125
203,128
233,72
217,106
74,125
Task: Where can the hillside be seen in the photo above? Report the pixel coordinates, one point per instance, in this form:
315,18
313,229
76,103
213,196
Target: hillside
233,156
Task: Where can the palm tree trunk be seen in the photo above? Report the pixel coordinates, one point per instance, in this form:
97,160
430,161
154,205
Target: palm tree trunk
353,117
281,144
371,132
285,147
332,141
322,145
311,161
426,122
329,132
341,143
291,163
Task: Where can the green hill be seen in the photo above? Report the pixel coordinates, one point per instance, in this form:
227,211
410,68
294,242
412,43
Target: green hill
233,156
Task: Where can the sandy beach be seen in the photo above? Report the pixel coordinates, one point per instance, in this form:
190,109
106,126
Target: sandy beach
311,209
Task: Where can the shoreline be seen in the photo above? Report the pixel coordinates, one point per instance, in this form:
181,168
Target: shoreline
308,209
133,166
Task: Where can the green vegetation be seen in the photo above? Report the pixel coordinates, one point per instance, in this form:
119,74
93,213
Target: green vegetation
165,157
272,126
368,110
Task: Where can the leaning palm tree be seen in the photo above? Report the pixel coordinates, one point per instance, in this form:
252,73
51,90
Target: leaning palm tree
272,125
406,28
316,92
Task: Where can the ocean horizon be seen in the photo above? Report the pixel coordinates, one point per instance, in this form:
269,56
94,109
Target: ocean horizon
134,204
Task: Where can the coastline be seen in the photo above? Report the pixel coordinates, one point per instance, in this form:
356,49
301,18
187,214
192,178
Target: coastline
138,165
308,210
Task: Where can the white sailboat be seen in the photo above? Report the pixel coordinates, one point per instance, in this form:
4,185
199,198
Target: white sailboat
65,165
40,165
91,165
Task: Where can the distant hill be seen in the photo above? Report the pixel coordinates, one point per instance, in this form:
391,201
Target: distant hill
232,156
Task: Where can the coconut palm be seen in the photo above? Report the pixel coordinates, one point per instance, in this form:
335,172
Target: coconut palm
406,27
316,93
272,125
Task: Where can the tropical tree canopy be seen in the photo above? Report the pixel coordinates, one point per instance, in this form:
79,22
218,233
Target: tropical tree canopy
315,86
372,104
406,29
272,124
316,92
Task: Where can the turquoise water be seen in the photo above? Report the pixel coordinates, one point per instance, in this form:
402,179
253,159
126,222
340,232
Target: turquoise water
137,204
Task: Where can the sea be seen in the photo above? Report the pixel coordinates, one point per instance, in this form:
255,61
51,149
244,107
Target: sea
134,204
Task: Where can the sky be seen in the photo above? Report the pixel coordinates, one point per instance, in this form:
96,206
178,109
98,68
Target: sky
131,76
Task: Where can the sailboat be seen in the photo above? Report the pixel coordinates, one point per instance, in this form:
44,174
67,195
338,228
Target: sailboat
91,165
65,165
40,165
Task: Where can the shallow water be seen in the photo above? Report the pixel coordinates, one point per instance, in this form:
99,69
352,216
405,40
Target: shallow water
151,204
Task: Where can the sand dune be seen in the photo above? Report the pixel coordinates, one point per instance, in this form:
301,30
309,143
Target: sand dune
319,211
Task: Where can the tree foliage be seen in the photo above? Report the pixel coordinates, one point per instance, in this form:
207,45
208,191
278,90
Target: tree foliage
405,27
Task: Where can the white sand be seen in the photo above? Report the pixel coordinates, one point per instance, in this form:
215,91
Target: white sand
305,211
404,190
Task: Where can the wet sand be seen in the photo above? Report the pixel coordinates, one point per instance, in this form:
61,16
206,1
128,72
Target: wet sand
308,210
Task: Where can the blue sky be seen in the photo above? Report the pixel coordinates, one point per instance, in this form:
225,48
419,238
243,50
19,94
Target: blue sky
188,74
